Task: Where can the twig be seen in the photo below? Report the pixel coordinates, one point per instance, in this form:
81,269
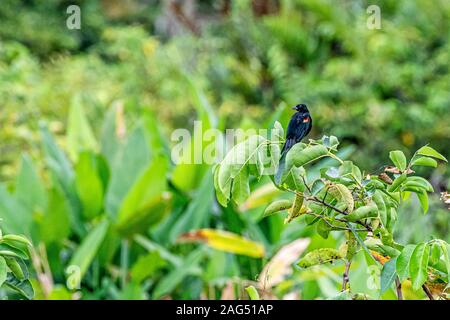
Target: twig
427,291
398,287
345,278
368,228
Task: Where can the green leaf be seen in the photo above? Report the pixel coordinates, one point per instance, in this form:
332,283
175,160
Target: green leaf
425,162
29,188
79,133
3,271
17,267
15,238
15,217
369,211
388,275
397,182
252,293
147,202
277,206
323,229
444,250
88,248
399,159
435,255
89,185
146,266
226,241
402,264
22,287
306,155
55,224
230,170
129,163
342,195
423,199
378,199
418,265
420,182
319,256
430,152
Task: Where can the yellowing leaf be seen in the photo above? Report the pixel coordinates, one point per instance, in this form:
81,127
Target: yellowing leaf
226,241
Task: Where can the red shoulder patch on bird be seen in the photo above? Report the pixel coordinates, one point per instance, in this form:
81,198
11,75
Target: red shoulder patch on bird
305,119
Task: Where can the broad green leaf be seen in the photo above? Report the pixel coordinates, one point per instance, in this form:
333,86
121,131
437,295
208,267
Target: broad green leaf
89,185
226,241
241,188
3,271
55,224
399,159
423,199
297,208
430,152
397,182
22,287
237,160
88,248
252,293
147,201
425,162
402,264
130,162
435,253
277,206
15,217
420,182
418,265
388,275
305,156
319,256
29,188
79,133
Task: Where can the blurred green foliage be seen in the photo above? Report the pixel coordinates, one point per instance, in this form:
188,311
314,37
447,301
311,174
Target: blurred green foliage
377,90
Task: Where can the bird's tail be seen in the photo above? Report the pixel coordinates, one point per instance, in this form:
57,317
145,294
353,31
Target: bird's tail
281,167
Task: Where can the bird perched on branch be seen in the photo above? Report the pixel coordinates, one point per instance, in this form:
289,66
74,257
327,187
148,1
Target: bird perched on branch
298,128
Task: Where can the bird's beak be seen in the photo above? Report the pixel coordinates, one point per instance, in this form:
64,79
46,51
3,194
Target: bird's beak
294,108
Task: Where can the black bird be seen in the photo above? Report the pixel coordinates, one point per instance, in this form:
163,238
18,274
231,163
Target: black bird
298,128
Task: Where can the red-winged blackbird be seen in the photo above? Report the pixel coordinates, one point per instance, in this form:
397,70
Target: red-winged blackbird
298,128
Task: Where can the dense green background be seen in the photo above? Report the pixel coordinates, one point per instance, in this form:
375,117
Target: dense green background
243,65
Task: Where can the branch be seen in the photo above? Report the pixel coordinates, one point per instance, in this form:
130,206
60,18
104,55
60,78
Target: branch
368,228
398,287
345,278
427,291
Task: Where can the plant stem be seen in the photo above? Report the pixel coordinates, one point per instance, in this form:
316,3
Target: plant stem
124,255
345,278
427,291
398,287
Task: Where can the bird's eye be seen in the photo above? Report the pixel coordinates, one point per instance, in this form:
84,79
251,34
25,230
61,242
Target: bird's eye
305,119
